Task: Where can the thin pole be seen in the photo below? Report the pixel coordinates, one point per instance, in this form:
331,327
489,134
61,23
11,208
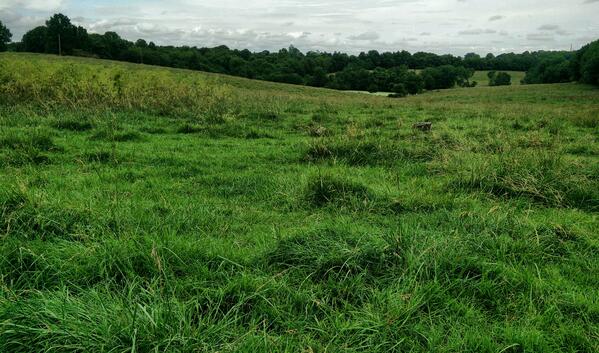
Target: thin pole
59,46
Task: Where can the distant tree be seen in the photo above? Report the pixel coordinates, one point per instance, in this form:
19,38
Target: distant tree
114,45
140,43
399,90
413,82
35,40
589,64
441,77
463,76
61,36
5,36
551,70
319,78
473,61
500,79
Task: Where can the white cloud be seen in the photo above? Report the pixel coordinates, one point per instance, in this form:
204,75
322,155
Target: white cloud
441,26
365,36
39,5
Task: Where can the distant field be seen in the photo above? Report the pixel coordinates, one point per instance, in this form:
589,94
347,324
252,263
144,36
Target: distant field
483,80
146,209
479,76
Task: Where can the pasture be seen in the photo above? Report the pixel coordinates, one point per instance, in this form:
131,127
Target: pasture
483,80
146,209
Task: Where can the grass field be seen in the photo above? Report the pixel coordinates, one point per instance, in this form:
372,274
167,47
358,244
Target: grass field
483,80
159,210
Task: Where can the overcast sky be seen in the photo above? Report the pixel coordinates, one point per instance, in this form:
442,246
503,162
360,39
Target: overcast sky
439,26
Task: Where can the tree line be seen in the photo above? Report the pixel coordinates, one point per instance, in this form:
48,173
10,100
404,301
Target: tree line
581,66
400,72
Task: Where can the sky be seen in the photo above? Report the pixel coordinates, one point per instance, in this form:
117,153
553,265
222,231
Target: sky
439,26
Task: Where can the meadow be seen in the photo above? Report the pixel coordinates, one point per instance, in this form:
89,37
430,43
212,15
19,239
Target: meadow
483,80
146,209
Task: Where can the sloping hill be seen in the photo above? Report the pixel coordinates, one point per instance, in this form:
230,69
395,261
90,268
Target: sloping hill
148,209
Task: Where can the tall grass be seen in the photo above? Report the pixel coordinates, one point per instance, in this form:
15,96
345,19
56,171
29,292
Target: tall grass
156,210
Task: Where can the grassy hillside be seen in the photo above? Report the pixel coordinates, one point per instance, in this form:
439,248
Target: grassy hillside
149,210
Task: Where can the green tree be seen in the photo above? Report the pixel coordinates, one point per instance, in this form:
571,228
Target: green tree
61,36
589,64
35,40
499,78
399,90
441,77
463,76
413,83
473,61
552,70
5,36
114,45
319,78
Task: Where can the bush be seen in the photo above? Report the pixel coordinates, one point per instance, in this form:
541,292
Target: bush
499,79
399,90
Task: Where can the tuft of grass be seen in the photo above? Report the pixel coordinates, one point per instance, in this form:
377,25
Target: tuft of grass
190,129
27,218
73,125
325,190
117,136
542,178
99,156
334,254
367,152
21,148
37,140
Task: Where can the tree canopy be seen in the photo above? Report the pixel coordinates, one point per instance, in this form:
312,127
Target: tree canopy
5,36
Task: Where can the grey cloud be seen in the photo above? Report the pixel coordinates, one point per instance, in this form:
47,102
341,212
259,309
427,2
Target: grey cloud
541,37
365,36
476,32
496,18
548,28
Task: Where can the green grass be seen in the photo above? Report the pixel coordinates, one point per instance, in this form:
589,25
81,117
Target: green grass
156,210
483,80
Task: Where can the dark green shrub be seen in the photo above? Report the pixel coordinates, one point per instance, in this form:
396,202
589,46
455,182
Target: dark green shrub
499,78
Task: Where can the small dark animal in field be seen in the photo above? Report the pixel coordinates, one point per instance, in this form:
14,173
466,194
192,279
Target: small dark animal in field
423,126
